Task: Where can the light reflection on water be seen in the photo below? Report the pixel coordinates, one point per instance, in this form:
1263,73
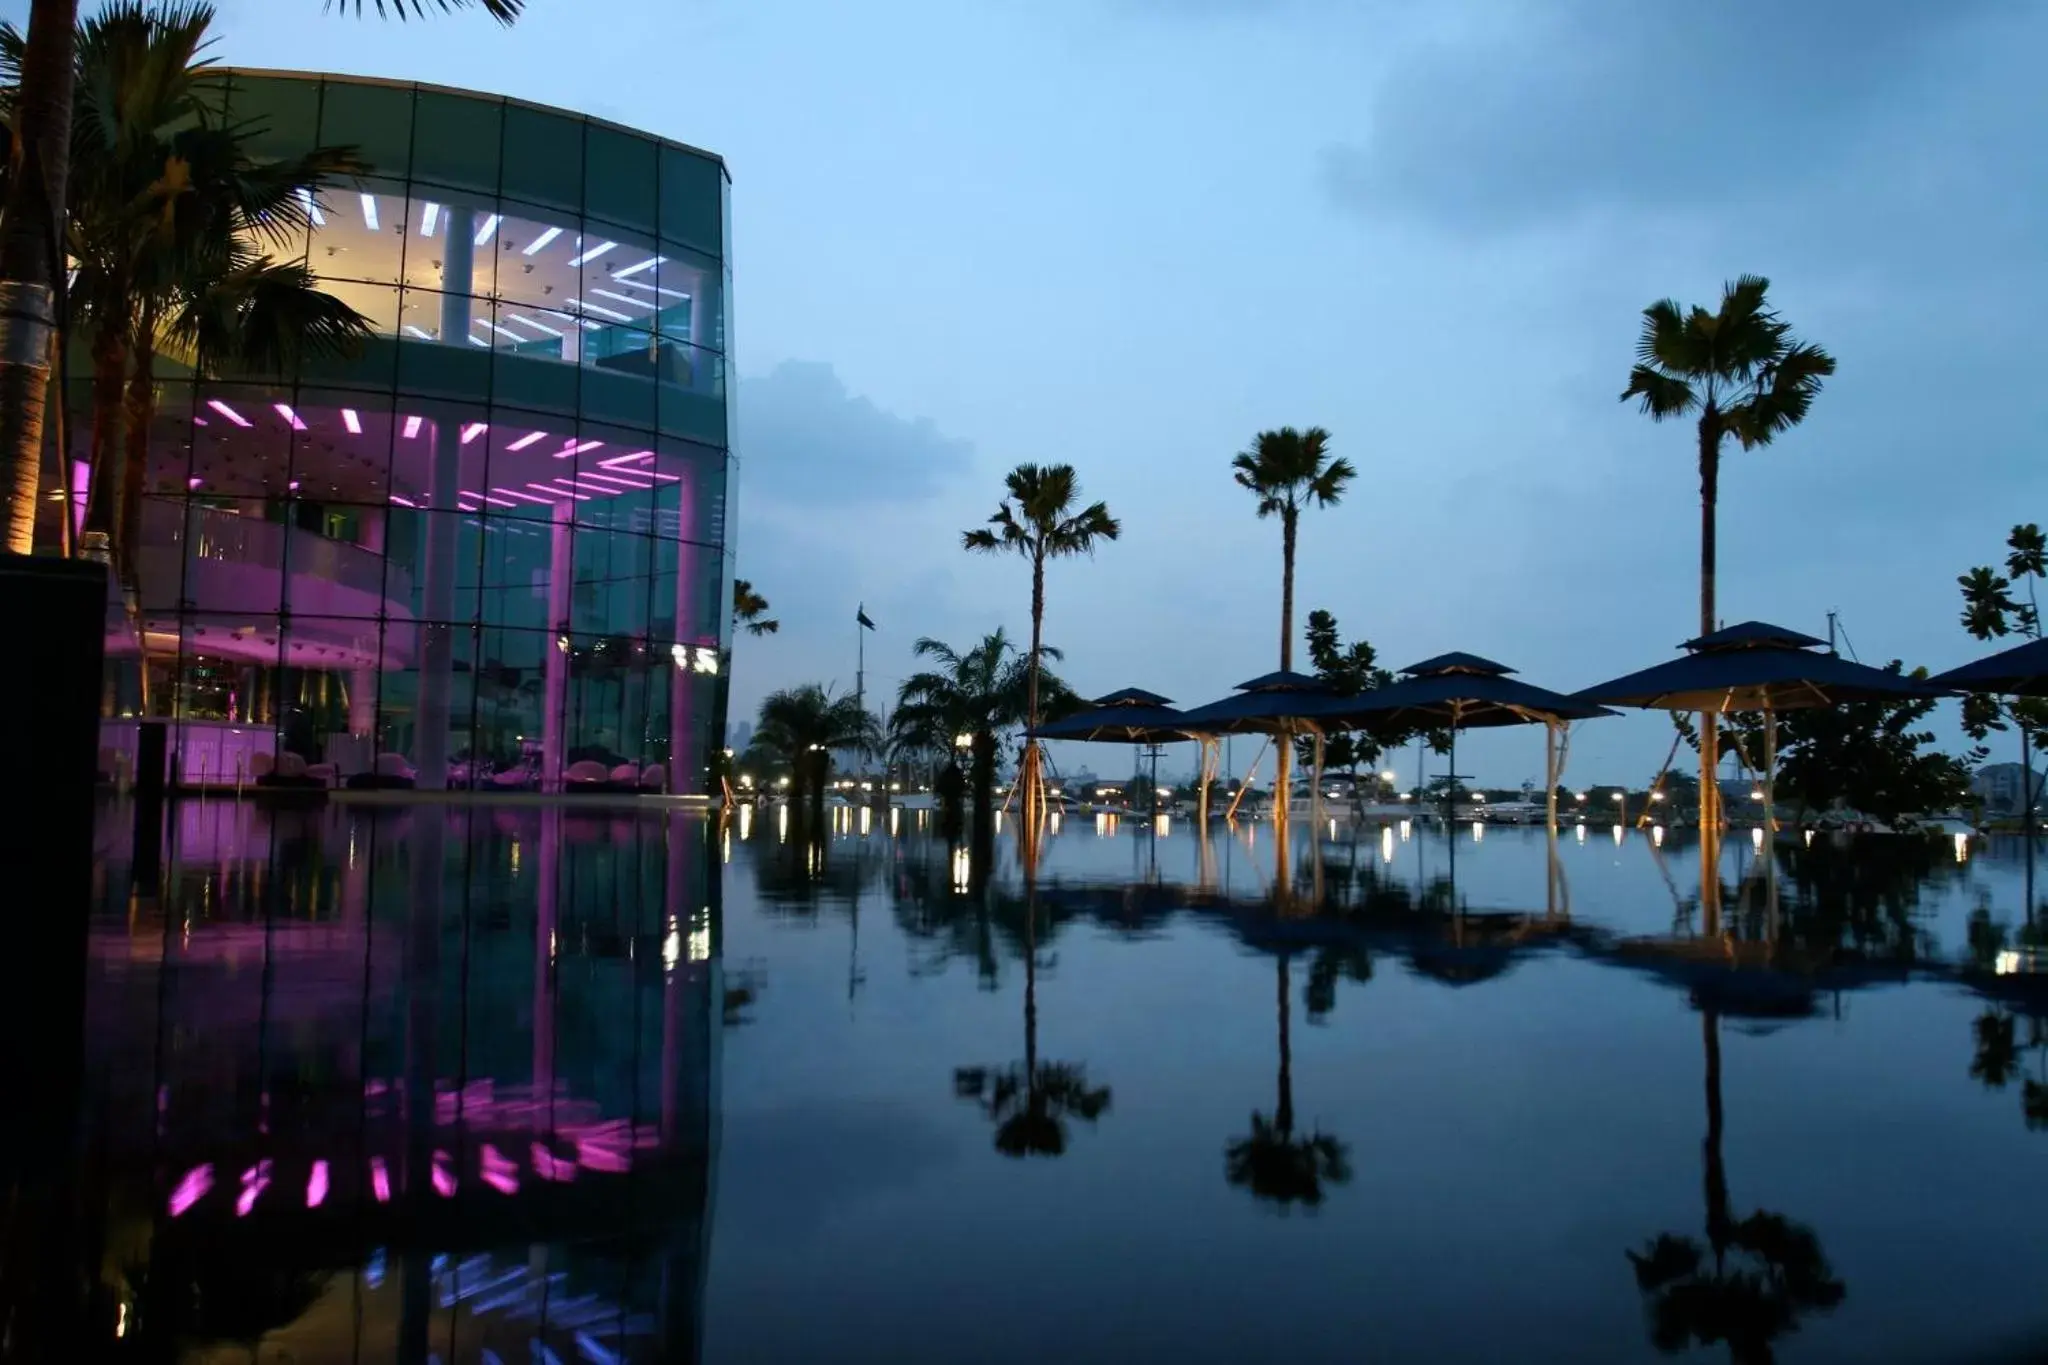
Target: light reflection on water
652,1087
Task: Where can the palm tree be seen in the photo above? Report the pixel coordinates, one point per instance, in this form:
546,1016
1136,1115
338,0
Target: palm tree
166,207
1766,1269
802,725
1030,1105
1272,1161
750,609
38,114
1743,374
1036,520
1288,470
981,694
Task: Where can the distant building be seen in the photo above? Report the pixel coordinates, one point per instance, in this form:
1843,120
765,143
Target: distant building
1999,786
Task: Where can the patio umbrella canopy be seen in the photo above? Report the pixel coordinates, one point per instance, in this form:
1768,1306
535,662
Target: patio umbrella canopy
1272,703
1132,716
1755,667
1459,691
2021,671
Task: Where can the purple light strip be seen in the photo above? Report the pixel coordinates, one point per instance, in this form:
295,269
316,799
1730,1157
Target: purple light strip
380,1180
636,457
224,410
316,1186
403,502
526,440
559,494
444,1179
525,497
613,480
498,1172
484,497
474,430
412,426
351,421
255,1181
284,410
576,447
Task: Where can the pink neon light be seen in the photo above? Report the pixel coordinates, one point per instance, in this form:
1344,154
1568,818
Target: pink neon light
548,1166
576,448
284,410
224,410
380,1180
474,430
192,1188
499,1173
637,457
351,421
316,1186
412,426
199,421
194,482
295,485
559,494
444,1179
525,497
403,502
255,1181
622,481
526,440
485,497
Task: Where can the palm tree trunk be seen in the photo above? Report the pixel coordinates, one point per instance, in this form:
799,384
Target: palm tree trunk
141,409
982,791
109,383
1710,723
1283,795
1283,1113
30,258
1034,796
1719,1220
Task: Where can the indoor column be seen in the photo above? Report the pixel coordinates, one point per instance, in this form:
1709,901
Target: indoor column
437,631
555,657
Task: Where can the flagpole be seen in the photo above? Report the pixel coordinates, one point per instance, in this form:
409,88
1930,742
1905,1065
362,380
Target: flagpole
860,671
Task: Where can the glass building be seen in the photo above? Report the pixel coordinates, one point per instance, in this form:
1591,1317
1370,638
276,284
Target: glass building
488,548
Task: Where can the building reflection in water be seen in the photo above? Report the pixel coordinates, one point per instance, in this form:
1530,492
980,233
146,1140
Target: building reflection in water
431,1082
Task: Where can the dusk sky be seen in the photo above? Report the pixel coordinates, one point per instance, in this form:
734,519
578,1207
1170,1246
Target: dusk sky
1128,234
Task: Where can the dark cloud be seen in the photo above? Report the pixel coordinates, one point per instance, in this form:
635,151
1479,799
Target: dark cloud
804,439
1588,103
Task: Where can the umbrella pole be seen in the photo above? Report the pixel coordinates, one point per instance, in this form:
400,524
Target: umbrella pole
1770,844
1245,785
1550,819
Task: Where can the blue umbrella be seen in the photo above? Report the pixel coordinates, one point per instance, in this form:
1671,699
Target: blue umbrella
1270,704
2021,671
1455,691
1131,716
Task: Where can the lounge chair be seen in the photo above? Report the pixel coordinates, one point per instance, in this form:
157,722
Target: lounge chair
587,775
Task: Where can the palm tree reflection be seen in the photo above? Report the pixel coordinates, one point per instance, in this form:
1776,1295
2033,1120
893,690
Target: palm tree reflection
1275,1162
1754,1277
1030,1104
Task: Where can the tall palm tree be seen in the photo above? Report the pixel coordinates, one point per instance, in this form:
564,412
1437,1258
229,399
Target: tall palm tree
38,116
1038,521
1272,1160
982,694
1742,374
750,609
802,725
1287,470
1765,1271
1030,1105
167,209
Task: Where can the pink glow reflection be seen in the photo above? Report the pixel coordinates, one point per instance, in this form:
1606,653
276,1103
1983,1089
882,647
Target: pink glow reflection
577,448
351,421
444,1179
498,1172
192,1188
224,410
548,1166
380,1180
316,1186
474,430
526,440
412,427
284,410
255,1181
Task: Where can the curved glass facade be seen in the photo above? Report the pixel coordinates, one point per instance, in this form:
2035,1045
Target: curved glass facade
488,549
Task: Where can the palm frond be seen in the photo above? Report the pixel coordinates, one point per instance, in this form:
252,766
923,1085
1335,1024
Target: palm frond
1662,395
504,11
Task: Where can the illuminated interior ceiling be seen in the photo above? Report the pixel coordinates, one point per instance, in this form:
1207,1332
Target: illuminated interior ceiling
534,282
252,449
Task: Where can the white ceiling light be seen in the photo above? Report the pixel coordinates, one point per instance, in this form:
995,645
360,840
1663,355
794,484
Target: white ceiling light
622,298
526,321
632,270
488,230
540,243
593,253
312,209
590,307
370,212
429,216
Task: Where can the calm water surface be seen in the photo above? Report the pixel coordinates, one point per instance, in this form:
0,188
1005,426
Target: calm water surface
510,1084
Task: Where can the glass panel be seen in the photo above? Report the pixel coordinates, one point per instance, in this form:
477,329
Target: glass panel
692,199
456,140
281,116
511,690
376,120
433,215
544,161
619,177
362,237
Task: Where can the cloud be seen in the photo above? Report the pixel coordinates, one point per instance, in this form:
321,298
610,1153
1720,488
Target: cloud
805,440
1582,105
